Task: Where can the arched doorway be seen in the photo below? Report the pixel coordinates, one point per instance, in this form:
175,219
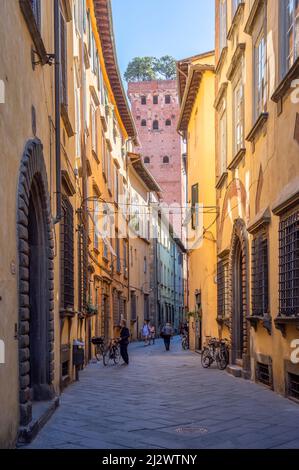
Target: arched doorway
239,297
36,285
237,312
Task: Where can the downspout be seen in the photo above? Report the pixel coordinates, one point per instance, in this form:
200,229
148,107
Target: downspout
57,110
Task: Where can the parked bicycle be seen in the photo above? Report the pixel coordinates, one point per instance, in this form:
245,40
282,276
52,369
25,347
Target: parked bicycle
112,353
215,351
185,342
99,343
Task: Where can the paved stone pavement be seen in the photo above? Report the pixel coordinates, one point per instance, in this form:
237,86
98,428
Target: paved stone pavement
166,400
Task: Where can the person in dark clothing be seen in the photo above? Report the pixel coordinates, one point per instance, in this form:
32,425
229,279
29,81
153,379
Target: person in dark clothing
167,333
124,341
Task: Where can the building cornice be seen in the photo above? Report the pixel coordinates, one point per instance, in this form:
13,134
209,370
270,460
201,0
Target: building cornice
196,73
104,23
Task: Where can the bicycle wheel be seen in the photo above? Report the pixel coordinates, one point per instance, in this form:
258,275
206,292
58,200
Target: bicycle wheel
222,360
206,359
106,357
99,352
116,355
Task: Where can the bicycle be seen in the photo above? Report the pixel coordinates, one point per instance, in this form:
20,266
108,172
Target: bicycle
99,343
185,342
112,352
215,351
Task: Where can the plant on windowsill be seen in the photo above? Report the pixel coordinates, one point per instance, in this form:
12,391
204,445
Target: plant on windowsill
195,315
91,309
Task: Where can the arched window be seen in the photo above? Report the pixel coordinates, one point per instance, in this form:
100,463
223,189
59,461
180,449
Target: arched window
156,125
143,123
167,99
155,99
143,99
168,122
147,160
165,159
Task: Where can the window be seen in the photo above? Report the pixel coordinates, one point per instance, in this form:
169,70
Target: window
143,123
165,160
104,156
293,385
222,24
263,374
223,138
143,100
194,207
36,8
77,122
118,263
67,254
290,31
94,136
96,208
289,265
63,60
145,265
116,307
222,289
168,122
125,261
116,185
133,307
147,160
155,99
260,76
260,288
167,99
156,125
238,116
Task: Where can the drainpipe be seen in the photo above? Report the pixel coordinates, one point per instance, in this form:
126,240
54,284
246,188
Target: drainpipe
57,110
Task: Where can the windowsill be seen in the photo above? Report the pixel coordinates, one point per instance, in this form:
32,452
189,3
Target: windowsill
34,30
264,320
95,156
67,313
254,11
221,180
221,59
285,85
281,322
66,120
237,159
258,126
260,221
235,20
288,198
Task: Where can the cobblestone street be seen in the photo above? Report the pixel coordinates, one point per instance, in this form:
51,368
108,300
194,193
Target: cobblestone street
166,400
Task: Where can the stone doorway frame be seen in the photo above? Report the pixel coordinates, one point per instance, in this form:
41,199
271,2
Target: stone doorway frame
240,247
33,172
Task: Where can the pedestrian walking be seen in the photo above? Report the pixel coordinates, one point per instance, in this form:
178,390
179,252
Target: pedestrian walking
146,333
124,341
152,333
167,333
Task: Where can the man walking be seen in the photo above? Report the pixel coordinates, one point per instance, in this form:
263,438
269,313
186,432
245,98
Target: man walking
167,333
124,341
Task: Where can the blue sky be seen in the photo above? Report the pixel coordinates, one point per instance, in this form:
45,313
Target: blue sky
180,28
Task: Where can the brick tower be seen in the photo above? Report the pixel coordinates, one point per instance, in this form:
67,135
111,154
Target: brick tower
155,107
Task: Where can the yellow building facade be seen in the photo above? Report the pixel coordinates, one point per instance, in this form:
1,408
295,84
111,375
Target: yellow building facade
66,128
197,126
257,188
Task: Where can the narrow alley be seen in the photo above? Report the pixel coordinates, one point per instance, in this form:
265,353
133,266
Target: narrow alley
167,400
